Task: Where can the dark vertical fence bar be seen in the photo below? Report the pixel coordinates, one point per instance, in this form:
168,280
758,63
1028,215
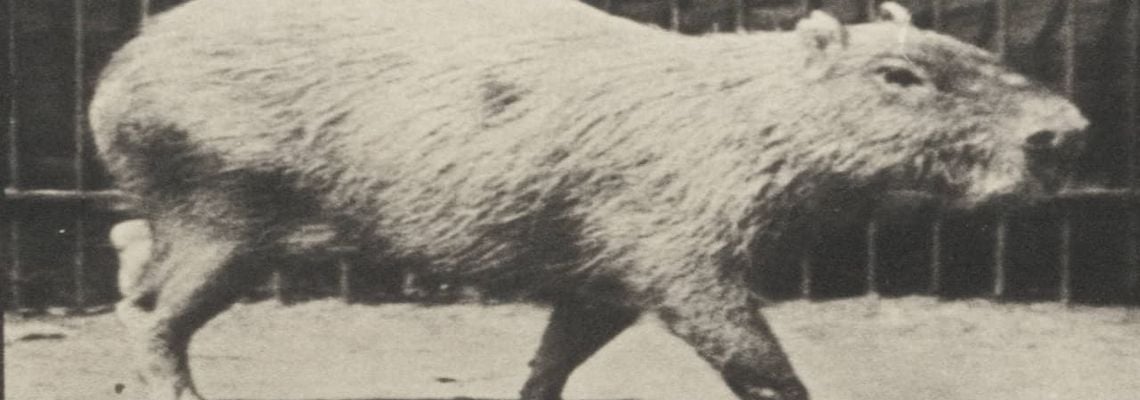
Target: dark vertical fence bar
1132,102
1065,261
871,9
344,279
936,13
1001,231
806,278
998,45
935,285
79,263
808,257
79,93
1069,48
1001,15
1132,132
674,15
1132,254
15,266
135,12
345,260
1068,86
738,15
277,285
14,178
872,257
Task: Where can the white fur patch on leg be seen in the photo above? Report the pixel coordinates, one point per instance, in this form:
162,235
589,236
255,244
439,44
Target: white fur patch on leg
132,240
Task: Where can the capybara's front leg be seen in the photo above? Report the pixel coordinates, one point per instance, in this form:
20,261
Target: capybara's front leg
189,279
577,329
723,323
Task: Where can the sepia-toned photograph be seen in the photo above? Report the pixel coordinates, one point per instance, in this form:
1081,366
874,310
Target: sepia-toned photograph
570,199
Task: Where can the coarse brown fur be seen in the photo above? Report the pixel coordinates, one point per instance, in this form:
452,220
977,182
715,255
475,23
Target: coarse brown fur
540,149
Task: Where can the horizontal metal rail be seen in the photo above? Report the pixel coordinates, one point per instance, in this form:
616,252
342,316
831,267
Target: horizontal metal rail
13,194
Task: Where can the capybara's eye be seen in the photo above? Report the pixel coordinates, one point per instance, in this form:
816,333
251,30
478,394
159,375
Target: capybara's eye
899,76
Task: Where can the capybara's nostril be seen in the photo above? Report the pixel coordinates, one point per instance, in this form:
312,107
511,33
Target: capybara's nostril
1041,140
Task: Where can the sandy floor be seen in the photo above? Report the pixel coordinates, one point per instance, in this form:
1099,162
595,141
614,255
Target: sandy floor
890,349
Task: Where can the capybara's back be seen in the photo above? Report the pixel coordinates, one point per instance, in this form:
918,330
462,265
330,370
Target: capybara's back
541,150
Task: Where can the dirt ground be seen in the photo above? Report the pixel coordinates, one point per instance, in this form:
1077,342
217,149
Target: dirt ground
864,348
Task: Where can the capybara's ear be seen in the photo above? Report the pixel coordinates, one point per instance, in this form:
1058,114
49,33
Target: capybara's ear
894,12
823,35
822,32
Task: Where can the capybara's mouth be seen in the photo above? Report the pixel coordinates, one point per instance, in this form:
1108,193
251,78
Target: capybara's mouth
1047,172
1050,166
963,194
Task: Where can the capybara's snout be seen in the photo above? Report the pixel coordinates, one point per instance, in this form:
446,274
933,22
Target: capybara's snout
1053,149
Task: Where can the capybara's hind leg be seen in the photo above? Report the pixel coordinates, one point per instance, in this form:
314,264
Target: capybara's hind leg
577,329
191,276
723,323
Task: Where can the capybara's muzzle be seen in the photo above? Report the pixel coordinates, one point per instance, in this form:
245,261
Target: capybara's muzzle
1051,158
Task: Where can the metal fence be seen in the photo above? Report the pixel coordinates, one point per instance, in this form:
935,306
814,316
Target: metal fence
1082,246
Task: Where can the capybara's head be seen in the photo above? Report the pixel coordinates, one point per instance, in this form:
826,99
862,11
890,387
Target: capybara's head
909,109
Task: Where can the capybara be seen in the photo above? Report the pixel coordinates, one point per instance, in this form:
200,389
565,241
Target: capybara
542,151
